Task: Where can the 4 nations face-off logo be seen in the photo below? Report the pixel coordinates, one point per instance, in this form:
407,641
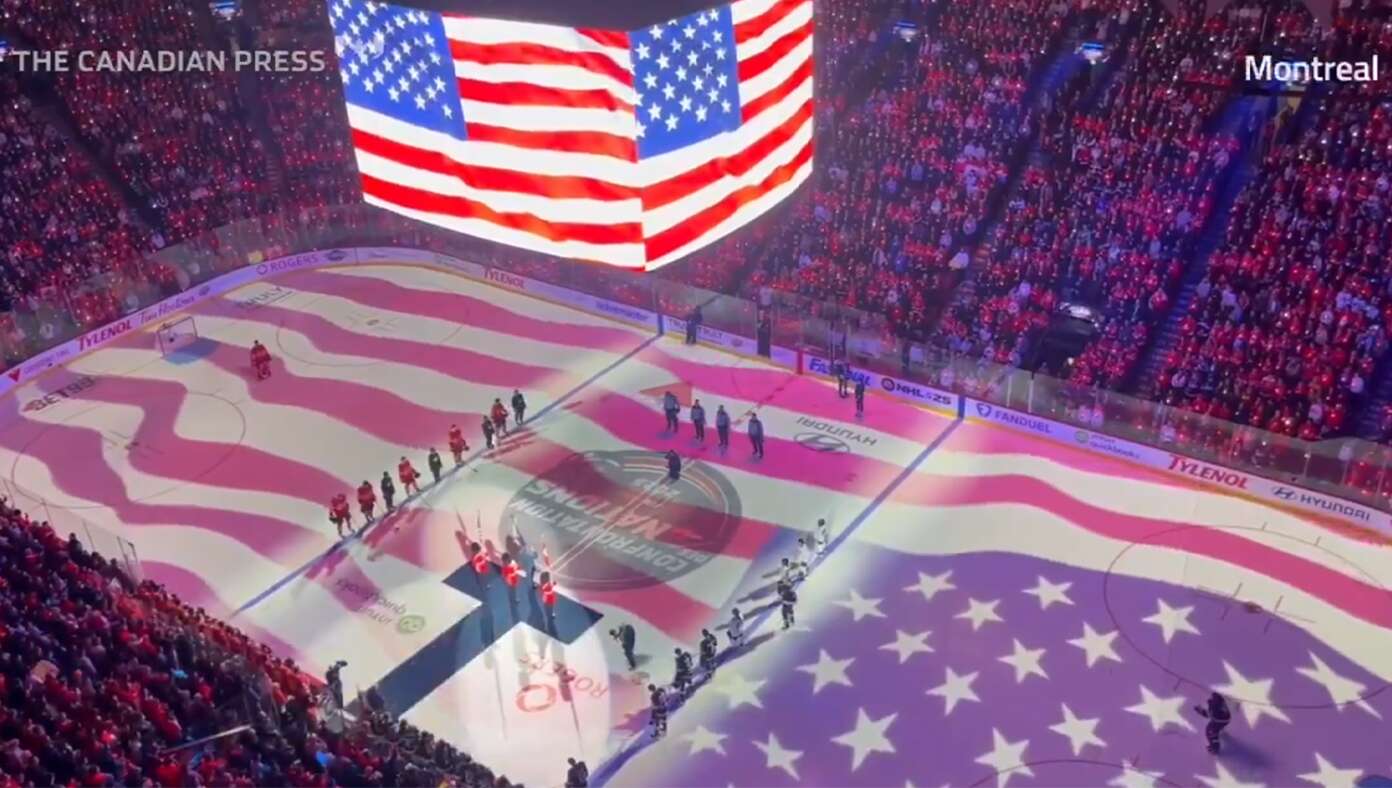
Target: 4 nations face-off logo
612,520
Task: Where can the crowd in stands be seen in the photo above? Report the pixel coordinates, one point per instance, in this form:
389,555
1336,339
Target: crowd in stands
909,169
106,681
1292,316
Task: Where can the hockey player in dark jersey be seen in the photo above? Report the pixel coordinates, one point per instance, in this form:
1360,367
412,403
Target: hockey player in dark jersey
682,680
658,699
1218,716
709,645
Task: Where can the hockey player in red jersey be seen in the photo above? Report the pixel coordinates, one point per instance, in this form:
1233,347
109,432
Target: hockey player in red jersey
408,476
340,515
500,418
260,360
367,500
480,562
457,444
511,576
548,599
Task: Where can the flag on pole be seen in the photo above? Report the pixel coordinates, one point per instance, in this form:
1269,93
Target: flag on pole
628,148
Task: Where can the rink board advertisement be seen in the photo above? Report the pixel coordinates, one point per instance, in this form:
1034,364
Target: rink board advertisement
1213,475
1205,472
911,392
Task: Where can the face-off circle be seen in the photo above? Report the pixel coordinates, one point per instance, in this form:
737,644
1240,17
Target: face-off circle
612,520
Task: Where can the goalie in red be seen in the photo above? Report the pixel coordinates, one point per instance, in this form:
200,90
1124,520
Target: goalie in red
340,515
457,444
260,360
408,475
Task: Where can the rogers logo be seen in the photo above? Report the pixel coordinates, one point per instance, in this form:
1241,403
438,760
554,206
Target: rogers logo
105,334
1208,473
506,279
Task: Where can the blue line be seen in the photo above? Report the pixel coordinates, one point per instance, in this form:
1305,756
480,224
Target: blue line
636,742
342,544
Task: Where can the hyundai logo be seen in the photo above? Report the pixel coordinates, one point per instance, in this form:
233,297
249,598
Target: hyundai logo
822,443
1284,493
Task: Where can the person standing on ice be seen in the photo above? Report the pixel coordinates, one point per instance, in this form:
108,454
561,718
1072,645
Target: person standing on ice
671,408
698,420
658,700
823,535
260,360
457,444
367,500
735,629
408,475
519,406
500,417
436,464
756,435
487,432
673,465
388,490
722,427
339,514
709,646
860,397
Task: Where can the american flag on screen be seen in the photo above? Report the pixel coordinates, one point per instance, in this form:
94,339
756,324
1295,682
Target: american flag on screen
628,148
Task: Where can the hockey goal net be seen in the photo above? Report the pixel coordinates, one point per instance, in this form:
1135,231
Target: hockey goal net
177,334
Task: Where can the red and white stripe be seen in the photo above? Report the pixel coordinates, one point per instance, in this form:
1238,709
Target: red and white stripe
698,194
551,159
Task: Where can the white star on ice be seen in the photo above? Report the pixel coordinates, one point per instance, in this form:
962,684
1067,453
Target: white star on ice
860,607
739,690
906,645
1006,758
1222,778
701,114
420,102
1131,777
654,112
1255,695
676,45
827,671
367,85
662,61
655,31
435,58
671,122
1160,711
703,739
719,53
697,83
776,757
1080,732
669,92
1331,776
713,14
955,688
650,80
394,93
1050,593
928,585
449,113
717,35
724,105
642,51
685,103
866,737
979,613
1340,689
681,73
1096,645
1025,661
689,32
702,20
692,58
721,80
1172,620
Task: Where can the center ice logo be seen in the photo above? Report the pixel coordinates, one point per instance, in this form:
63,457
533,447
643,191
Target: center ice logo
612,520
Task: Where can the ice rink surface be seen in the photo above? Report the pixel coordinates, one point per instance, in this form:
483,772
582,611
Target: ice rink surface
993,609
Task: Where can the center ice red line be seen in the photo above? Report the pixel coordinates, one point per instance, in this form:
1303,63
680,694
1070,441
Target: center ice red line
1337,589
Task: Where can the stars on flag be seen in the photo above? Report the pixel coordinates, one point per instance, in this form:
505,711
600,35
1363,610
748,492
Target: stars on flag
1096,645
868,736
861,607
906,645
1171,620
980,613
690,51
827,671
